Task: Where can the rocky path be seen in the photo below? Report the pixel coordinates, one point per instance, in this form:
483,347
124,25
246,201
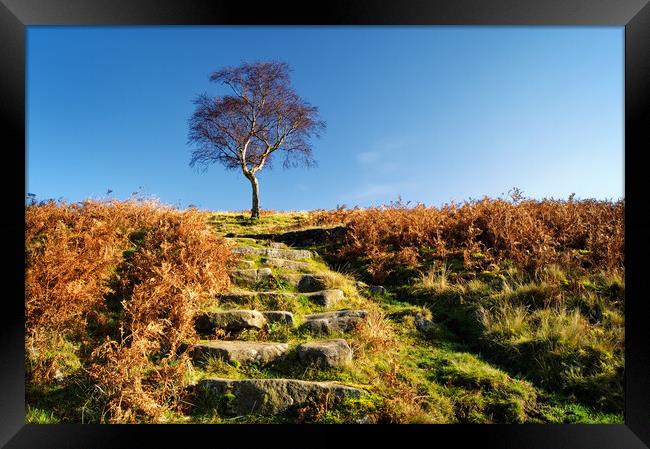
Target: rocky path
280,289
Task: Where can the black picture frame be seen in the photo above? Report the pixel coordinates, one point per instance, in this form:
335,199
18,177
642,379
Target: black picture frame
634,15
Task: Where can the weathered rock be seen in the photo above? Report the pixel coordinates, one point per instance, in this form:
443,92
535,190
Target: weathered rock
279,316
293,254
291,278
305,282
277,245
284,263
272,396
238,297
230,320
377,290
423,324
326,298
275,295
250,277
244,264
245,296
242,352
312,283
249,251
280,253
325,353
240,276
339,321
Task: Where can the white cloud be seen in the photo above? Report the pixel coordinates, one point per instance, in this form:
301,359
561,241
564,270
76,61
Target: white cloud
378,174
383,156
368,157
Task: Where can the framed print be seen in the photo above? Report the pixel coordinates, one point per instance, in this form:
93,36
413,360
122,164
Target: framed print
424,219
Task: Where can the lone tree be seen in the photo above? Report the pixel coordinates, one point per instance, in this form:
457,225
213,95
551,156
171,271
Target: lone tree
261,117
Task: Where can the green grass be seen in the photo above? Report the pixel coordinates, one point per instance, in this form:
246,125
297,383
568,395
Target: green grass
34,415
70,401
561,338
232,223
480,392
574,413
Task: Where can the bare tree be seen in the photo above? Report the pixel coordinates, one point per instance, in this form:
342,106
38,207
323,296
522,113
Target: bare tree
261,117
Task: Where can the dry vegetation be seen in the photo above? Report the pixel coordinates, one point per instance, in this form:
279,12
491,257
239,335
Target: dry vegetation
536,286
524,300
111,289
532,234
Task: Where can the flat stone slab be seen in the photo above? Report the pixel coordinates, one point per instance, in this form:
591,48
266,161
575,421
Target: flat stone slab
305,282
249,296
272,396
248,251
293,254
250,277
230,320
238,296
242,352
326,298
279,316
325,353
285,263
244,264
338,321
280,253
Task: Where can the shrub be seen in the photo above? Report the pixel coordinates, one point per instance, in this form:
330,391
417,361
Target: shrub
120,281
532,234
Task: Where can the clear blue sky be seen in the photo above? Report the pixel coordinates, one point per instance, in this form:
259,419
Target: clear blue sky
433,114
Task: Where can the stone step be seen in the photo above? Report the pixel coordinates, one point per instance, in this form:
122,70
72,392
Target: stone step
250,277
244,264
230,320
305,282
326,298
272,396
279,316
243,296
242,352
337,321
285,263
279,253
325,354
249,297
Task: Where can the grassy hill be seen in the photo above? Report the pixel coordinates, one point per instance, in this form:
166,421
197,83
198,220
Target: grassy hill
489,312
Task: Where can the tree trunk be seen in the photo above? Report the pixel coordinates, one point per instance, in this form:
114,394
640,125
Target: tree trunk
255,209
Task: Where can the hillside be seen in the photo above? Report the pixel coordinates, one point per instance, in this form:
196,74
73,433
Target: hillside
490,312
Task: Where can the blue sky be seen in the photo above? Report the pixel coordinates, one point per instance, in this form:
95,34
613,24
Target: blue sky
433,114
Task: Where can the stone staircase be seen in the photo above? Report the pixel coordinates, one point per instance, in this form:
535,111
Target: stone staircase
266,276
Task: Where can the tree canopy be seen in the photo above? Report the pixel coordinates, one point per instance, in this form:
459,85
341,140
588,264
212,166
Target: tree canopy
262,116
